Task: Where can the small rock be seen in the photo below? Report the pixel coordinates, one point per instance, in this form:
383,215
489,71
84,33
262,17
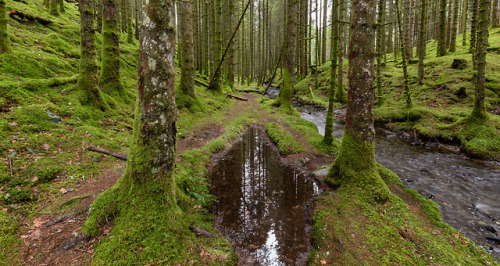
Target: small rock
461,92
321,171
53,117
299,162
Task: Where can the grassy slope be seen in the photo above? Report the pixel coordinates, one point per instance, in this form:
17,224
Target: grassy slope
39,75
437,108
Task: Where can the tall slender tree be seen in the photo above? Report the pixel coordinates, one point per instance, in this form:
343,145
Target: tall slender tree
473,28
88,80
421,40
378,75
454,27
99,15
185,11
495,14
464,21
355,166
4,35
323,34
339,93
406,79
110,57
441,49
284,98
479,109
328,138
61,6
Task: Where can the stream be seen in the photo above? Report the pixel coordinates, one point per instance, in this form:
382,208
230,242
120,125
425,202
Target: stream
263,205
467,191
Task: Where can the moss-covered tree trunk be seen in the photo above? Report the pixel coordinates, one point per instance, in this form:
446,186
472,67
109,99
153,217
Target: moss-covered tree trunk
323,34
54,7
99,16
479,109
441,49
285,95
110,57
449,23
495,14
473,28
4,35
217,79
130,31
88,80
339,93
328,138
421,40
465,12
380,34
137,12
61,6
355,165
407,32
185,11
232,51
406,79
454,27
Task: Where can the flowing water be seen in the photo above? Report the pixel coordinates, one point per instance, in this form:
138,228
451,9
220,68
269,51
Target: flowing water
263,204
467,191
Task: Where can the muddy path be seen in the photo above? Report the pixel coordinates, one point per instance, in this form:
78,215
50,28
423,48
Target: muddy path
53,235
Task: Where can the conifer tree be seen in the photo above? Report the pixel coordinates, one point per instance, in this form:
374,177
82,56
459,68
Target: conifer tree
61,6
185,10
464,21
473,28
495,15
285,95
454,27
99,15
130,32
479,109
406,80
328,138
110,57
421,40
4,35
355,167
217,84
441,49
88,80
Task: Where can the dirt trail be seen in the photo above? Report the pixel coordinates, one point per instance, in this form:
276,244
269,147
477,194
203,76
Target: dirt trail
54,236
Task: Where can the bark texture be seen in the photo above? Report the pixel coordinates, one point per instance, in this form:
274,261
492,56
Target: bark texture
88,80
4,36
479,109
285,95
454,27
152,151
328,138
54,7
110,57
185,10
355,164
421,40
441,49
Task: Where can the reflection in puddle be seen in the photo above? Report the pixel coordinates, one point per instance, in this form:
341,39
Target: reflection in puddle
262,203
467,191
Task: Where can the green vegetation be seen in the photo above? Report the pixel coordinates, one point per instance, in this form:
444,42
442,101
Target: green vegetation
407,229
445,97
285,141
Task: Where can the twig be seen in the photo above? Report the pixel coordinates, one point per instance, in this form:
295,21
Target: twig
10,165
236,97
104,151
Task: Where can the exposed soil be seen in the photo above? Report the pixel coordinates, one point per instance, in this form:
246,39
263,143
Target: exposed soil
54,235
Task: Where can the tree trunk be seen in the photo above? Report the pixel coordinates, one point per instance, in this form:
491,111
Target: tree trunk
323,34
61,6
355,165
285,95
328,138
152,152
495,16
185,11
378,74
464,21
421,40
479,109
130,32
449,24
441,49
54,7
408,50
110,57
99,16
339,93
4,35
454,27
406,80
88,80
473,28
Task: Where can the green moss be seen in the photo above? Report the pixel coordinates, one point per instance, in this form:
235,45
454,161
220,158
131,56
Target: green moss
9,243
285,141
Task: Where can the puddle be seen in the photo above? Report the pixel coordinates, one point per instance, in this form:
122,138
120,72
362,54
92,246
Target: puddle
263,203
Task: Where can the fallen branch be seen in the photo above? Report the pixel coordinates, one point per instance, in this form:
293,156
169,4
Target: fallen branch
201,82
104,151
10,165
201,232
72,200
236,97
20,16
